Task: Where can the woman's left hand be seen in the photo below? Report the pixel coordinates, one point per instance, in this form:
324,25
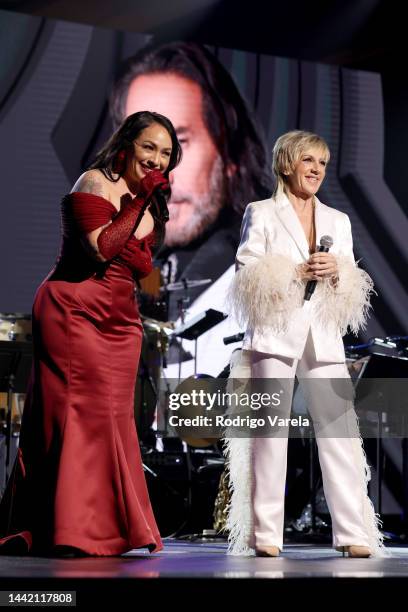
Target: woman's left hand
324,265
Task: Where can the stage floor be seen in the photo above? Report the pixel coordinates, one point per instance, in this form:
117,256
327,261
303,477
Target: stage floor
181,559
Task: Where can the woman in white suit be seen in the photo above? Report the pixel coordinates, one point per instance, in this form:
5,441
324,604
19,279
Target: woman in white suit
287,336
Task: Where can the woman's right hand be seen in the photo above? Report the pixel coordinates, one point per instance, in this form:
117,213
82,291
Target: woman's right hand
153,180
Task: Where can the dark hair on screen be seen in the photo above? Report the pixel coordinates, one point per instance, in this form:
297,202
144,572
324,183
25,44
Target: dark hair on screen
108,159
226,115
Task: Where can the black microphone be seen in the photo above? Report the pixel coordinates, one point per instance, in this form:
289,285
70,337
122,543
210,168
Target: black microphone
160,196
235,338
325,243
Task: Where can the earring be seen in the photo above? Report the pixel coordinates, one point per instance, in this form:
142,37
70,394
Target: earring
119,162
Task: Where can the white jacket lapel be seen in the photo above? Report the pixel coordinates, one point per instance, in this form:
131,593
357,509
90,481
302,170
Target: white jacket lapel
292,224
324,222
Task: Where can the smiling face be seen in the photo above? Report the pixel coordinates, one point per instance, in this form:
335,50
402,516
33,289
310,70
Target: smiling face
151,150
198,182
308,173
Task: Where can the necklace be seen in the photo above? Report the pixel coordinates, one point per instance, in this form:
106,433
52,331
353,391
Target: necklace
312,233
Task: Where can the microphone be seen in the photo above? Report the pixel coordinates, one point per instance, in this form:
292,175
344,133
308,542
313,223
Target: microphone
235,338
160,196
325,243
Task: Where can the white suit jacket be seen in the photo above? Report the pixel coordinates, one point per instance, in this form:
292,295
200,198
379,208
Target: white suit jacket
273,227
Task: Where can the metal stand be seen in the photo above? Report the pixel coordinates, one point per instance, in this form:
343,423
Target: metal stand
185,285
198,325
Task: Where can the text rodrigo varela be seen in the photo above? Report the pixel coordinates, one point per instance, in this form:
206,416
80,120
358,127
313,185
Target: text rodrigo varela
228,403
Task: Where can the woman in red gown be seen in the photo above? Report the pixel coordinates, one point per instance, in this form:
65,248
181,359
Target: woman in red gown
77,485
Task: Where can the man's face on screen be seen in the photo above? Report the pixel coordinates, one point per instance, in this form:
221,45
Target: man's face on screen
197,182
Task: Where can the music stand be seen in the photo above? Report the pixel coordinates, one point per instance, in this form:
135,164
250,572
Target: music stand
386,366
15,367
198,325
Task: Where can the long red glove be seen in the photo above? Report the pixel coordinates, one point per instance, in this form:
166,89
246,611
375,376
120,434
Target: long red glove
113,238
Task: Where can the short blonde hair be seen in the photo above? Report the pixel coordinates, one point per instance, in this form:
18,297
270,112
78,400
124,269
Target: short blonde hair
288,150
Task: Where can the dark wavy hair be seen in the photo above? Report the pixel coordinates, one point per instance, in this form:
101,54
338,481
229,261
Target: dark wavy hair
229,121
108,160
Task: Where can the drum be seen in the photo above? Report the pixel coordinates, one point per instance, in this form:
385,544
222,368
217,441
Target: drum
15,327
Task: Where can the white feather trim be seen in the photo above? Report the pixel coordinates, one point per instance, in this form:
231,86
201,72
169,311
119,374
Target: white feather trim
346,304
372,520
239,524
238,455
264,293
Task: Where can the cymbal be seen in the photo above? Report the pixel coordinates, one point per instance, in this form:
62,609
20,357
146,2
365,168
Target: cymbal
14,316
156,325
186,284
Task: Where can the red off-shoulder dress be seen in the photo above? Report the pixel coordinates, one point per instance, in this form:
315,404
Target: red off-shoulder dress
78,479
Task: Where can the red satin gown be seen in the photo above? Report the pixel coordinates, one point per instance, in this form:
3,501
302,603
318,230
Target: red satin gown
78,479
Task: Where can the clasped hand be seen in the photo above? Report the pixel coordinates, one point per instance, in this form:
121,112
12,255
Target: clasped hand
319,266
152,181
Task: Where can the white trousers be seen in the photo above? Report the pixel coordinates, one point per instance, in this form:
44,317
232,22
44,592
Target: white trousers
341,458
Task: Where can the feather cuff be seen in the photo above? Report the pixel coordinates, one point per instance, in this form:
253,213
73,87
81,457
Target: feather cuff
265,293
347,303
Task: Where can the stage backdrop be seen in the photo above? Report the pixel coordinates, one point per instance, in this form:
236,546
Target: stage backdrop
55,79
